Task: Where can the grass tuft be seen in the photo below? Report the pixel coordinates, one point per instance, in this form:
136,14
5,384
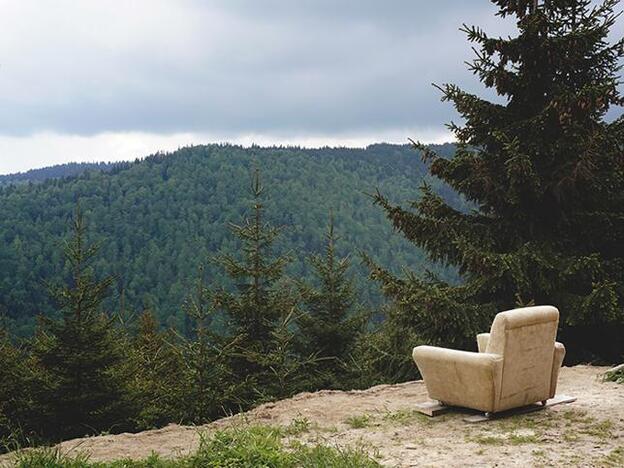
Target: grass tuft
615,375
506,439
298,426
404,417
601,430
358,422
50,458
615,458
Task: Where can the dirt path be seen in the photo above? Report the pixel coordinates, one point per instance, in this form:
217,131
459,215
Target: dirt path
589,432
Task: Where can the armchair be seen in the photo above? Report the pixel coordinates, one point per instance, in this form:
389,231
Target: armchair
517,364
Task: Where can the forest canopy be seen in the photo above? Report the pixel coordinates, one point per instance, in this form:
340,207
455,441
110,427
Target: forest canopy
158,219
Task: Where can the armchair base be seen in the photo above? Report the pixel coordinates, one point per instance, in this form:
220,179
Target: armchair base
436,408
557,400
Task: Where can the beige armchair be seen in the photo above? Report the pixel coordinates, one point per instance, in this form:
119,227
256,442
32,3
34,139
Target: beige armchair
517,364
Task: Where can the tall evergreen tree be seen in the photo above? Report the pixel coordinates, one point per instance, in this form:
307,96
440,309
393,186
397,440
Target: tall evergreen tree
544,168
383,354
211,389
14,393
158,374
256,311
81,391
331,322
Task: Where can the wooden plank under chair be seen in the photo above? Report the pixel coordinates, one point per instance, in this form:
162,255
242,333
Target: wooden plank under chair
435,408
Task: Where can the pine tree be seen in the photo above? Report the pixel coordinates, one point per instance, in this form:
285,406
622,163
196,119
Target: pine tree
544,169
14,394
332,321
384,354
256,311
286,370
81,390
211,389
158,375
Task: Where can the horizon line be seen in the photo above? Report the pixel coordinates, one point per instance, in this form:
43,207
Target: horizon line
219,143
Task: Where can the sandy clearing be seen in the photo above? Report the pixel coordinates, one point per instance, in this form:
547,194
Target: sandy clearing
583,433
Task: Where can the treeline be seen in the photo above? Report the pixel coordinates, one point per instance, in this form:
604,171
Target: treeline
86,371
58,171
158,219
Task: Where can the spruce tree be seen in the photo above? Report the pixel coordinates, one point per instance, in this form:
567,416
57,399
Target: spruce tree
543,167
383,354
158,374
14,393
256,311
210,387
332,321
82,390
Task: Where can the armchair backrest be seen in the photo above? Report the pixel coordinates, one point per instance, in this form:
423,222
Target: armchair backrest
526,339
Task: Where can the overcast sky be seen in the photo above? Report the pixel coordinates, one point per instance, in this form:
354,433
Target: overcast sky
109,80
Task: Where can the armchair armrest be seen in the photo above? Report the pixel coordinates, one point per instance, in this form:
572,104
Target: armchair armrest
557,361
461,378
482,341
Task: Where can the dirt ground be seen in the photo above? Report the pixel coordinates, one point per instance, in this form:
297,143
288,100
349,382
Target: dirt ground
588,432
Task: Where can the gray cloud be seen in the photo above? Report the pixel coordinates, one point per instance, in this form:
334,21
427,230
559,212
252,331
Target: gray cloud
84,80
233,66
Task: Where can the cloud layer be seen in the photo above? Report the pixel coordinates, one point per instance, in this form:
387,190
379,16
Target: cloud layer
278,70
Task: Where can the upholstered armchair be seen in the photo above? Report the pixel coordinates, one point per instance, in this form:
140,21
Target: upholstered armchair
517,364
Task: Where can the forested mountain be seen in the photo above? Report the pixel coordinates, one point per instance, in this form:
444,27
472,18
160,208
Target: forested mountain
56,172
158,219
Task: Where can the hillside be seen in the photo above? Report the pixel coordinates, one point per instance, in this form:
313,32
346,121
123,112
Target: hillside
380,420
58,171
159,218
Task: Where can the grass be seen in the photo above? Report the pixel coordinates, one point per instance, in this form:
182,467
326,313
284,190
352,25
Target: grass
515,430
615,375
404,417
586,425
615,458
577,416
250,446
600,430
506,439
533,429
298,426
358,422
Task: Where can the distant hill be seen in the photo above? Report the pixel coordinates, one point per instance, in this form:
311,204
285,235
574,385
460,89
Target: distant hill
157,219
56,172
